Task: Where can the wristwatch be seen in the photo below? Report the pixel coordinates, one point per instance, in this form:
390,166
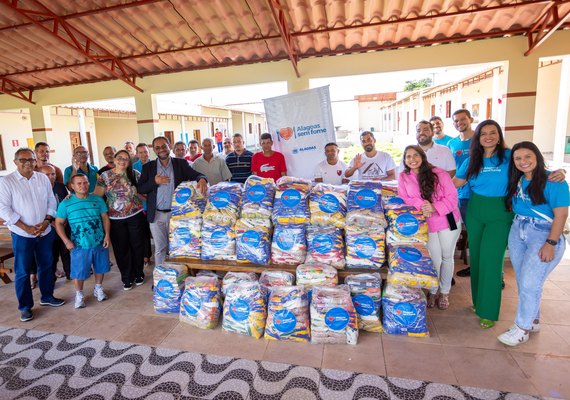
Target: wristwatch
551,242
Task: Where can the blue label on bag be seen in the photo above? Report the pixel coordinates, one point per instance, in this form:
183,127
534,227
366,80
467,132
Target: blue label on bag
191,303
396,201
256,193
410,254
239,310
405,314
164,289
181,236
183,195
364,304
291,198
251,238
221,199
407,224
365,247
219,238
365,198
284,321
328,203
337,318
285,240
322,244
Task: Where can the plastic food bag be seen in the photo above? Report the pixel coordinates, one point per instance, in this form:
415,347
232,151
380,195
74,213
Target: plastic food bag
404,311
366,296
223,203
333,317
271,278
200,303
364,205
406,225
289,245
290,205
185,238
258,198
365,248
231,278
412,266
326,245
288,314
315,274
327,204
393,203
218,242
253,240
389,189
244,309
168,280
187,201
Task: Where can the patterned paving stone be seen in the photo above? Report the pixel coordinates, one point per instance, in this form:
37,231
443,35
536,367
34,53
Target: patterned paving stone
284,381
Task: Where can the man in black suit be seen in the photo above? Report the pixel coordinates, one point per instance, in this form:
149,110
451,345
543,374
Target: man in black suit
158,180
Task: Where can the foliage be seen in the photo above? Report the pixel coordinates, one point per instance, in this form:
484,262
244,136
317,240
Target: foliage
417,84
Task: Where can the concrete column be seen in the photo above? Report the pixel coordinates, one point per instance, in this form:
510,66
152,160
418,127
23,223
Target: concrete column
297,84
562,113
147,117
183,128
496,108
81,124
519,101
40,118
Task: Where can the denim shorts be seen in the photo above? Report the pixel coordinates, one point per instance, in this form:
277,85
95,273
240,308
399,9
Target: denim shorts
82,259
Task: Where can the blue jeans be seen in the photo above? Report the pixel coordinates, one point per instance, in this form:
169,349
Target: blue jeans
24,251
526,237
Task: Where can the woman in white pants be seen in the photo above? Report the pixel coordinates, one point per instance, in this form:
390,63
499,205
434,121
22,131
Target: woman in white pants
430,190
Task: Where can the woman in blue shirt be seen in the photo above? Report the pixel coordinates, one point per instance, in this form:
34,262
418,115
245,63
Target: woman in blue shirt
536,244
488,221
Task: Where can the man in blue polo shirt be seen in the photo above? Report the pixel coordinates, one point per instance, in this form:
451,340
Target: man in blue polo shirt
239,160
80,166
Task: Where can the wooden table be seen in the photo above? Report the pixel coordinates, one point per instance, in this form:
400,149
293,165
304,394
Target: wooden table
5,252
216,265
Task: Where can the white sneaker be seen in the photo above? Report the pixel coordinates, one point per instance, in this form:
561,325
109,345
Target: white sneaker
535,327
79,301
99,294
514,336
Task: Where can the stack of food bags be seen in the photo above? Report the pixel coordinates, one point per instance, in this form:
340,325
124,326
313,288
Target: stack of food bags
289,245
244,309
272,277
168,287
288,314
404,311
200,303
366,297
185,231
333,317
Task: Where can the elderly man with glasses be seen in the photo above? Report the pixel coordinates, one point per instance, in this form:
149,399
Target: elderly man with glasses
27,204
80,166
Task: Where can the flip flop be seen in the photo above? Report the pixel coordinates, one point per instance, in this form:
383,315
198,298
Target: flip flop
486,323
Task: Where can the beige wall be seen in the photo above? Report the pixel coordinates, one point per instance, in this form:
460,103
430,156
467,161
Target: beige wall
15,126
545,117
115,132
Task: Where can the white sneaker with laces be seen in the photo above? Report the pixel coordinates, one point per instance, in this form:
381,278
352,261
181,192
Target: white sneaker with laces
79,300
535,327
99,294
514,336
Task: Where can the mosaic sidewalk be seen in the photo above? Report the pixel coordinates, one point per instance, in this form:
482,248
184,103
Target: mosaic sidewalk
43,365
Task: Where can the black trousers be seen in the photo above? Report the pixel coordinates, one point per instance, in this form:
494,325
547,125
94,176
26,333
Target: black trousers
147,245
128,238
58,251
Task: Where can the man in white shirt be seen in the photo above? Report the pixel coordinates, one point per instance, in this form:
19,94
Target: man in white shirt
437,155
332,169
28,206
372,164
211,165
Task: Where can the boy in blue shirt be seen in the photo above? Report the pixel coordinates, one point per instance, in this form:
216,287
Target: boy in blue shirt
90,237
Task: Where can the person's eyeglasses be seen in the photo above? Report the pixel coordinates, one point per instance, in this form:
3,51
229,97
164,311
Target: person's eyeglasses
163,147
27,160
82,152
122,159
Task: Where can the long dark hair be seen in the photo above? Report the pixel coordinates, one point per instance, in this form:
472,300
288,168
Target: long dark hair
130,171
535,189
427,179
476,151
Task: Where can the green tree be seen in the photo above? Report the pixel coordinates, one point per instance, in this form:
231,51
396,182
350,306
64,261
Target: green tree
419,84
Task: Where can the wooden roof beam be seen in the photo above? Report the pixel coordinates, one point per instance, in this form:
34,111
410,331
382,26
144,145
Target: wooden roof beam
279,16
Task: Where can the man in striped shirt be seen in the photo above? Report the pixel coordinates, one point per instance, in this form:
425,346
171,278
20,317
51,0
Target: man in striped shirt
239,160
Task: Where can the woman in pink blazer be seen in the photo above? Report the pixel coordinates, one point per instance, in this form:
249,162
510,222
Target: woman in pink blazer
430,190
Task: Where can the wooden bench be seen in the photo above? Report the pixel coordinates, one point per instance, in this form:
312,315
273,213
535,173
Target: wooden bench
6,252
216,265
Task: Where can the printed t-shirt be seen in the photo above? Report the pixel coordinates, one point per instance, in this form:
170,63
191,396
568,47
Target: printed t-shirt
84,219
556,195
492,180
268,167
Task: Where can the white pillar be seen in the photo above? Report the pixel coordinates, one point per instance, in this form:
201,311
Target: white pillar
82,132
40,119
562,113
147,117
183,128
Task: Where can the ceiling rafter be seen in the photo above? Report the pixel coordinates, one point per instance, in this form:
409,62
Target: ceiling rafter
15,89
545,26
281,21
58,28
429,15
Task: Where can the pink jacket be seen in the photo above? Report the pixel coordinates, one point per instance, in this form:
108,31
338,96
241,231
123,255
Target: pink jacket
444,199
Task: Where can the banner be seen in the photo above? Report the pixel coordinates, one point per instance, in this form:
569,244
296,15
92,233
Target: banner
301,125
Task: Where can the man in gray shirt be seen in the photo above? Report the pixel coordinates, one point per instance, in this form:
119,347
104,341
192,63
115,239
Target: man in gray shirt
211,165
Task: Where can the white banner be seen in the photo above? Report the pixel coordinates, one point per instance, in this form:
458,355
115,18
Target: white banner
301,125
